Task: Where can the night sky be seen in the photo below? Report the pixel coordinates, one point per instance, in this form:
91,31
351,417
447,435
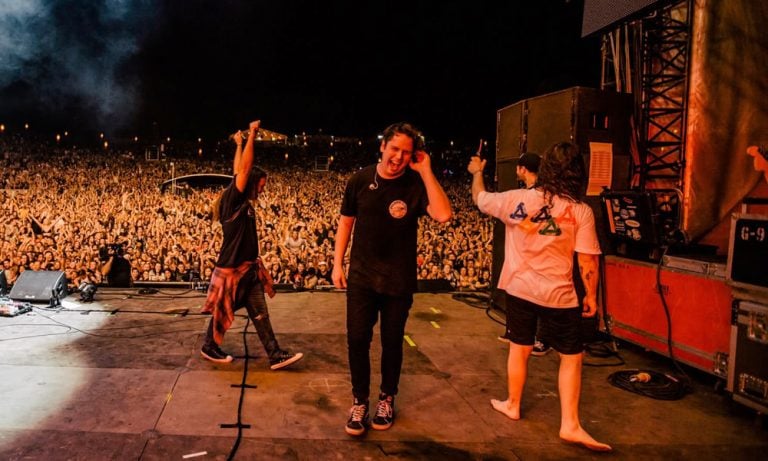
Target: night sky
205,67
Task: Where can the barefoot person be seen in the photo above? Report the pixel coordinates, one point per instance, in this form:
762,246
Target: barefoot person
545,225
239,279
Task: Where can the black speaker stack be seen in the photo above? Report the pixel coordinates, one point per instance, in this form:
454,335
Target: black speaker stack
578,115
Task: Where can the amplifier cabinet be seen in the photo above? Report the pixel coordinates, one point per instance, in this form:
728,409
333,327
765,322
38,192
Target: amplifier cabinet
699,306
748,361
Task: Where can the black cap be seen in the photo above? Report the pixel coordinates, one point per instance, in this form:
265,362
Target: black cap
530,160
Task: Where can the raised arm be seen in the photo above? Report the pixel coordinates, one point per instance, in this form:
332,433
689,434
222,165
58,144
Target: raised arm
244,164
238,138
438,207
475,168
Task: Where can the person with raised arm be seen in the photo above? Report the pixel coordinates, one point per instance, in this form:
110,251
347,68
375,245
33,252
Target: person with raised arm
239,278
545,225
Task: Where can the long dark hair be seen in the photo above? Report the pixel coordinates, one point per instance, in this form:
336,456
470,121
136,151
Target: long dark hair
253,180
254,177
562,172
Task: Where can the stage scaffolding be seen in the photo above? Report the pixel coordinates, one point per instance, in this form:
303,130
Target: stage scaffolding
649,57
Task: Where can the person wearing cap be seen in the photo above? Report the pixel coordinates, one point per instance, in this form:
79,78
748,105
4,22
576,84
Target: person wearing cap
527,173
528,168
240,278
324,277
544,227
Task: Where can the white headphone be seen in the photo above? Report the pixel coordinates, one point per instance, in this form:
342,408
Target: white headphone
375,184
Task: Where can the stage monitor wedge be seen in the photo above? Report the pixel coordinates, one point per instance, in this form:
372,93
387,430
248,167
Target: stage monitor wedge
40,287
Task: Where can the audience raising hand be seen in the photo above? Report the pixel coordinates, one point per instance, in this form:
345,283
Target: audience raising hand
68,217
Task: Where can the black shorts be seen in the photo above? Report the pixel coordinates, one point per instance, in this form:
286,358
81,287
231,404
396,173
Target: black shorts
557,327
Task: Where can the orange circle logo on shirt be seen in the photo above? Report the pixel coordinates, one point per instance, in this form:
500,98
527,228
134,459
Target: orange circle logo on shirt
398,209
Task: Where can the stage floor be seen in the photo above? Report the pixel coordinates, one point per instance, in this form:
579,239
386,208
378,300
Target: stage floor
122,379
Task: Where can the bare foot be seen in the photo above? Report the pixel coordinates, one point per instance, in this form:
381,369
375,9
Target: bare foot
504,407
581,437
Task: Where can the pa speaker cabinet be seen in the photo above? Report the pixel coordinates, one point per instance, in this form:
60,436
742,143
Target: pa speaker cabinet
40,287
578,115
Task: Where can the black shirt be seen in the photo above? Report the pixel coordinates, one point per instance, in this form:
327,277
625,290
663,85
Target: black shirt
238,221
119,273
386,216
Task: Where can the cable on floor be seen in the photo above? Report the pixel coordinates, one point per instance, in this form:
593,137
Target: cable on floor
473,299
243,386
683,376
659,386
602,350
478,300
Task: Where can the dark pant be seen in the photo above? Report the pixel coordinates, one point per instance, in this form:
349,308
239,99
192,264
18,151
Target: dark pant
250,294
363,309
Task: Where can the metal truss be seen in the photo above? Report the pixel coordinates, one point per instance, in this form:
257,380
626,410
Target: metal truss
663,83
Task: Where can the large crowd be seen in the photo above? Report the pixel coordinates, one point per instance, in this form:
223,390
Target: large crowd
66,209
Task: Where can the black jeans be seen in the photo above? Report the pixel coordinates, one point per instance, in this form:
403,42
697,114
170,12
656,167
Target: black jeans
363,308
250,294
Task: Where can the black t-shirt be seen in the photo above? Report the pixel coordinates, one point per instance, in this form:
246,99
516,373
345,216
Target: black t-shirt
386,220
238,221
119,273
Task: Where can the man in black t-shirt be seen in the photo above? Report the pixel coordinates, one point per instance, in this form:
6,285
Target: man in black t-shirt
239,279
116,268
383,203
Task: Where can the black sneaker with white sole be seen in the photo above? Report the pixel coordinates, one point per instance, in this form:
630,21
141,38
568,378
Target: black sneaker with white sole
214,353
283,358
358,418
385,413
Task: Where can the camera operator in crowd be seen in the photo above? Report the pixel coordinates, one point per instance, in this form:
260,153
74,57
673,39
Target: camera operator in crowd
116,267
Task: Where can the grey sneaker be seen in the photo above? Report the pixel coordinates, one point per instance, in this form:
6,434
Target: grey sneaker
358,418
